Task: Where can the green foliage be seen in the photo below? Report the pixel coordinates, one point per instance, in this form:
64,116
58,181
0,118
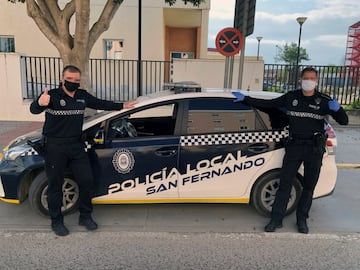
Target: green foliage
288,54
353,106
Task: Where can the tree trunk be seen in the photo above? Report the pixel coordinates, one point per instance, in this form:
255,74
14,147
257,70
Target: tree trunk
80,59
74,49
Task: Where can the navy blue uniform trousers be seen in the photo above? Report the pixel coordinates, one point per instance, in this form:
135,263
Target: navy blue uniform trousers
296,153
58,159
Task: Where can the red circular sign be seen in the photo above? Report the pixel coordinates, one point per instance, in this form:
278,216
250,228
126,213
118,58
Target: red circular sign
229,41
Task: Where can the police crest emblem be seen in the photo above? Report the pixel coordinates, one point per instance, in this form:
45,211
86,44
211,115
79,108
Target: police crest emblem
123,161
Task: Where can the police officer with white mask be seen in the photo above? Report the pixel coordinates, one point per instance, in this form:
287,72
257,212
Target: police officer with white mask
306,109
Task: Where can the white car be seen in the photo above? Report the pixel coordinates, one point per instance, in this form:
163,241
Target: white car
173,148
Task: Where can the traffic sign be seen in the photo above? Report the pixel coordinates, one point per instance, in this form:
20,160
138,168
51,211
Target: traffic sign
229,41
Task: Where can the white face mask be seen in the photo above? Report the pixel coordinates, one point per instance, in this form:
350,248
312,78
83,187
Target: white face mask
308,85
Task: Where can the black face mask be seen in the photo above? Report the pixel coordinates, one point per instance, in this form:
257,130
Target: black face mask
71,86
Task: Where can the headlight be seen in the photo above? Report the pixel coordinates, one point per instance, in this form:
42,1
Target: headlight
14,152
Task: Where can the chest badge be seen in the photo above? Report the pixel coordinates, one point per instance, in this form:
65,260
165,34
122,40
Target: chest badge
62,102
317,101
295,102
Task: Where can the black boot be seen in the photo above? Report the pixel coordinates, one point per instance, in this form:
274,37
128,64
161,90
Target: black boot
59,228
88,222
273,225
302,226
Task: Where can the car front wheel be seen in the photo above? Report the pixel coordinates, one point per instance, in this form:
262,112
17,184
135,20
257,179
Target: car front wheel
38,195
264,191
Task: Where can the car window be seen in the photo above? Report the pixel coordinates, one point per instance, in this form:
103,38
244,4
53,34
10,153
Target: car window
155,121
274,118
221,115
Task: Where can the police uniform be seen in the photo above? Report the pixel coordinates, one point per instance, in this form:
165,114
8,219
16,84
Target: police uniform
306,144
64,148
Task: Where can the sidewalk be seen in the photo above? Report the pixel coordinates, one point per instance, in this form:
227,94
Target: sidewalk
9,130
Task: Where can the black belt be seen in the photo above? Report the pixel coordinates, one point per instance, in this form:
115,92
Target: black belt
302,137
306,137
56,140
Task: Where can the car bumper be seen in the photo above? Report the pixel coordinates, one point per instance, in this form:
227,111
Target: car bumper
327,179
10,180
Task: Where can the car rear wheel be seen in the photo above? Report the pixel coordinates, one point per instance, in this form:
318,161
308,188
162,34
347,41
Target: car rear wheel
264,191
38,195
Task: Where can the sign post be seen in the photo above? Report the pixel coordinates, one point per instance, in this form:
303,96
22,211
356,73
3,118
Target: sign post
229,42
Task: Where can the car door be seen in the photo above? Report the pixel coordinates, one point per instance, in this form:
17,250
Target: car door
141,168
225,145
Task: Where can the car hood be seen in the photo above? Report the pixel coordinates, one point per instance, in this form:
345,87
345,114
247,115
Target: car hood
22,140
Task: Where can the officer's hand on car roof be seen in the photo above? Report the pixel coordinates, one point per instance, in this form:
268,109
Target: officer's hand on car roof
44,99
130,104
239,97
334,104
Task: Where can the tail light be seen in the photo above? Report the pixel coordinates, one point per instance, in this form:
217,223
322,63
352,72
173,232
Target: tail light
331,142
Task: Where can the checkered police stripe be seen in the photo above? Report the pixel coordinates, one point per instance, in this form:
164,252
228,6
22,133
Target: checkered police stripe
64,112
233,138
29,152
306,115
87,146
32,152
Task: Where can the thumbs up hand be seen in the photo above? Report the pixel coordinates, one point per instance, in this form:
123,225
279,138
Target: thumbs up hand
44,99
334,104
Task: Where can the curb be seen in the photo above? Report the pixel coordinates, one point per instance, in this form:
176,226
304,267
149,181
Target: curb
348,166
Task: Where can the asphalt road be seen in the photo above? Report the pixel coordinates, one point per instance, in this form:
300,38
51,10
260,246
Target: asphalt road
167,251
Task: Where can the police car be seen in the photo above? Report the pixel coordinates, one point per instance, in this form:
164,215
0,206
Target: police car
173,147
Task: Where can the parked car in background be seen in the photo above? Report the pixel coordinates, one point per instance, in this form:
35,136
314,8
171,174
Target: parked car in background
173,147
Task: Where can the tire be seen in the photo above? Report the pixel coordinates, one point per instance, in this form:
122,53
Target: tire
264,190
38,195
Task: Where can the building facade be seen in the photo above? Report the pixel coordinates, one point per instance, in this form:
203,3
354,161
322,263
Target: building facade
178,31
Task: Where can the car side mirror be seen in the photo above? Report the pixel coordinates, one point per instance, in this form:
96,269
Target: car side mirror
99,137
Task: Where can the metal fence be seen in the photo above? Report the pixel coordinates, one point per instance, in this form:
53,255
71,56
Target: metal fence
109,78
344,81
117,79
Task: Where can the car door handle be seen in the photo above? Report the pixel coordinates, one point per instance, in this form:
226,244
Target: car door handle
166,152
258,147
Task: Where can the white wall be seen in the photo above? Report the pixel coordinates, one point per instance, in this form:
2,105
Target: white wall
29,40
209,73
12,105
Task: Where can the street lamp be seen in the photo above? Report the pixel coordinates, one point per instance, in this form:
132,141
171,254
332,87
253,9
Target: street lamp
301,21
258,39
277,49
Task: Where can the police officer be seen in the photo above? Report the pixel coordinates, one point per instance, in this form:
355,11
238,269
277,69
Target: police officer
306,109
62,131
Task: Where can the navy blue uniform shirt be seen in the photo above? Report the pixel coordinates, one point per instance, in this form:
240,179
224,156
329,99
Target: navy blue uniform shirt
64,115
306,113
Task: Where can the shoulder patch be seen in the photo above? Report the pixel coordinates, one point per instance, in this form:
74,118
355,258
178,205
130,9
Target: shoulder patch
325,96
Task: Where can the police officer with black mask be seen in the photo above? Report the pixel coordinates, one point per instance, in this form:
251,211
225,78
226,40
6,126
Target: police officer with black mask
306,109
62,132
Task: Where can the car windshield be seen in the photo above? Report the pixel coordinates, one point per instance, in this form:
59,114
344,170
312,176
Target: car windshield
96,115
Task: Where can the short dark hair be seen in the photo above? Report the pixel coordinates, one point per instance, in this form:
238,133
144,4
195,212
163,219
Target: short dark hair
309,69
71,68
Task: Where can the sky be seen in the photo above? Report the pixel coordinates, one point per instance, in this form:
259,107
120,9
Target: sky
323,35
